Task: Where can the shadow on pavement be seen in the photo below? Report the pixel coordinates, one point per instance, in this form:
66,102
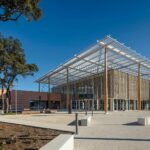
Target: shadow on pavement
132,124
73,123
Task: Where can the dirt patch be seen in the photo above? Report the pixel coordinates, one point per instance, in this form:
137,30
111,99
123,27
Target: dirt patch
20,137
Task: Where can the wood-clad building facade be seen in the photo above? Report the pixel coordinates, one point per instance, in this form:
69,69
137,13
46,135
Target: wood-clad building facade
122,92
106,76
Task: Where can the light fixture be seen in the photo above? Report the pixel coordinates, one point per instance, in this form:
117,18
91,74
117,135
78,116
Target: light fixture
116,50
109,46
102,43
128,56
132,58
123,53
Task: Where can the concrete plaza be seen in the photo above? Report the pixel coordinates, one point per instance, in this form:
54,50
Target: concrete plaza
114,131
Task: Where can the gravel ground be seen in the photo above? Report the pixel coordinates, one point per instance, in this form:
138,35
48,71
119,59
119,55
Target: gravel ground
19,137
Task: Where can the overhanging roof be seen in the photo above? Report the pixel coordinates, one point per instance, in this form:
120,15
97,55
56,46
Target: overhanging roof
91,62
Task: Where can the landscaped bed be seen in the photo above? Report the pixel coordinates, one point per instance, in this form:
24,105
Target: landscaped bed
20,137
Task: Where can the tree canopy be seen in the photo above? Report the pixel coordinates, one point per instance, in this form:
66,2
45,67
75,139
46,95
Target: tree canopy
13,63
14,9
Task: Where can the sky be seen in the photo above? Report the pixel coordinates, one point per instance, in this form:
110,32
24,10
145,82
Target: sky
69,26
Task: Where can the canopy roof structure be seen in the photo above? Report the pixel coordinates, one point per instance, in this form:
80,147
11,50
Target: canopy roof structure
91,62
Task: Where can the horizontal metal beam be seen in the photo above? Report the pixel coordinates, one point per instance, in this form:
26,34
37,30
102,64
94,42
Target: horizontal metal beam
92,50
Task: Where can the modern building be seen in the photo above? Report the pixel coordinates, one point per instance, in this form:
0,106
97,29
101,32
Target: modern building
32,100
106,76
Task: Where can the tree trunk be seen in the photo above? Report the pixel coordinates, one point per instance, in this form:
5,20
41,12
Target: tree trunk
1,97
10,106
7,105
7,100
3,102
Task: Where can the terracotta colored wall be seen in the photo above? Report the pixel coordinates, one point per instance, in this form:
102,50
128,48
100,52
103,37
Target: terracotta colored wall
23,98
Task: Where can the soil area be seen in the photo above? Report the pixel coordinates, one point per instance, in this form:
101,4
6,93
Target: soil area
20,137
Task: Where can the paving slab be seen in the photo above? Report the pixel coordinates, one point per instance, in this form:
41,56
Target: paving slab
52,121
115,131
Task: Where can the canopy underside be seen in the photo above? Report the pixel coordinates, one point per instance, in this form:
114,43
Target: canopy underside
91,62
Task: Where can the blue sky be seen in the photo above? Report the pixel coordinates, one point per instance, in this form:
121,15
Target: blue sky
69,26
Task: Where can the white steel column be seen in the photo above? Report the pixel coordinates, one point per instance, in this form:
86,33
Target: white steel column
134,104
146,105
117,104
112,104
69,107
127,105
78,105
97,97
123,105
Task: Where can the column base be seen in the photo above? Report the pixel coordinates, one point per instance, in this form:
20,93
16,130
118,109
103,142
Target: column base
106,113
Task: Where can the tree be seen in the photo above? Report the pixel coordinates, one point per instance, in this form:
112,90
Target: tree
12,64
12,10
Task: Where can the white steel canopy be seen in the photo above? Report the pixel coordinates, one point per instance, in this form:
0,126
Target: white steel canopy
91,62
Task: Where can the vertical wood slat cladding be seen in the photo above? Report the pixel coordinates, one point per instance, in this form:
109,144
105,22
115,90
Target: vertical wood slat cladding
144,89
116,84
126,86
133,87
120,85
110,84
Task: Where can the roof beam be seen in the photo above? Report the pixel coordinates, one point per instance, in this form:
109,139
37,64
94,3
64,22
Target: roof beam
92,50
126,66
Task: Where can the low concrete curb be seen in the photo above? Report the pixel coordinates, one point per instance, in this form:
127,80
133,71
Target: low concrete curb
61,142
144,121
86,120
1,112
